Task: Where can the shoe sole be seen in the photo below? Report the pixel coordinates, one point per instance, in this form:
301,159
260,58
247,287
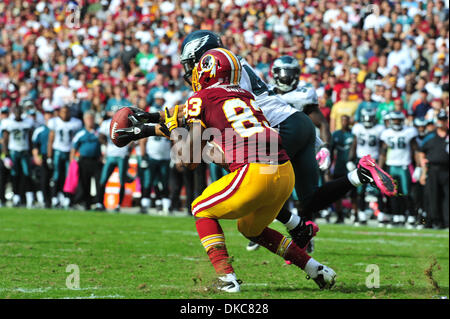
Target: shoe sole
326,286
383,180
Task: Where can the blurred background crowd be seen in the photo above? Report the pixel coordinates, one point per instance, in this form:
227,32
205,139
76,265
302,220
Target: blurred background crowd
84,58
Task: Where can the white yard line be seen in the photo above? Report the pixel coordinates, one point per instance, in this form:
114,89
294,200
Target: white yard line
92,296
391,242
388,234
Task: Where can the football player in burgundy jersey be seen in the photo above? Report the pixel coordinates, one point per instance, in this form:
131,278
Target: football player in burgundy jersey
261,176
298,137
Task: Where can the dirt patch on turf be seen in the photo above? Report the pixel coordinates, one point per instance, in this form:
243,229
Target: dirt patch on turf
429,275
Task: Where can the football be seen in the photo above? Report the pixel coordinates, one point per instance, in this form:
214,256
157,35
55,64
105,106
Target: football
120,120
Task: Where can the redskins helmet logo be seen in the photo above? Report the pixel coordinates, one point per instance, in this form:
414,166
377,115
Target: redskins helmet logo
208,64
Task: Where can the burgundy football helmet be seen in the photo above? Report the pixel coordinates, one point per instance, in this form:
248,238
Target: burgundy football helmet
216,66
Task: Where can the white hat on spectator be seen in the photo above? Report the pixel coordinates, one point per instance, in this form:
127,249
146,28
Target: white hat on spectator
49,108
40,6
142,82
378,83
159,95
55,107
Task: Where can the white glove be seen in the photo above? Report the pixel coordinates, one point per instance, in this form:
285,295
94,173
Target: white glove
144,163
350,166
417,173
50,163
318,144
323,158
8,163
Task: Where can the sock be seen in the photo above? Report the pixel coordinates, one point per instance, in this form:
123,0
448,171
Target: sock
29,196
311,267
66,202
166,204
353,178
293,222
16,199
54,201
213,240
284,214
40,197
282,246
61,198
145,202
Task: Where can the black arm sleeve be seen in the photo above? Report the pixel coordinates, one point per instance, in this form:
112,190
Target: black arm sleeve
147,130
154,117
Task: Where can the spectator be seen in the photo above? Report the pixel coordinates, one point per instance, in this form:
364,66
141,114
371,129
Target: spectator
172,96
436,107
366,104
145,59
422,106
399,106
398,57
386,106
158,86
433,87
343,107
415,97
117,100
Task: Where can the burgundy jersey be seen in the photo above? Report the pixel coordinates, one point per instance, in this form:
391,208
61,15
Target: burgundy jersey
237,125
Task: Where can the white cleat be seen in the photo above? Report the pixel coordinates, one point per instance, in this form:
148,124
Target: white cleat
228,283
252,246
326,277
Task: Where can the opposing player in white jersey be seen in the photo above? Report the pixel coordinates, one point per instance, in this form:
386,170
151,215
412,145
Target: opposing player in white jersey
398,150
298,137
62,130
286,75
16,143
367,135
115,157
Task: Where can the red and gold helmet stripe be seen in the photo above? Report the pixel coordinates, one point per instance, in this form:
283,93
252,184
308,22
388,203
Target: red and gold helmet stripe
236,67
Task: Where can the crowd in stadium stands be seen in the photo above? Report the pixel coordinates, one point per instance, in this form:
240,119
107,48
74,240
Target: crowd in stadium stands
65,66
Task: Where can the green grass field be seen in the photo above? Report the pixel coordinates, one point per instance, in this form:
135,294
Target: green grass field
141,256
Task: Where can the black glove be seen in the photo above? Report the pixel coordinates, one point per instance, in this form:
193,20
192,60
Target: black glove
135,132
144,117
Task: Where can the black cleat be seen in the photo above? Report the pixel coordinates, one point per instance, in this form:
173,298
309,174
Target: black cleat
303,233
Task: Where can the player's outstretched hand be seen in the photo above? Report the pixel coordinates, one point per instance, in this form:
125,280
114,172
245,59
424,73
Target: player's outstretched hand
171,122
144,117
132,133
